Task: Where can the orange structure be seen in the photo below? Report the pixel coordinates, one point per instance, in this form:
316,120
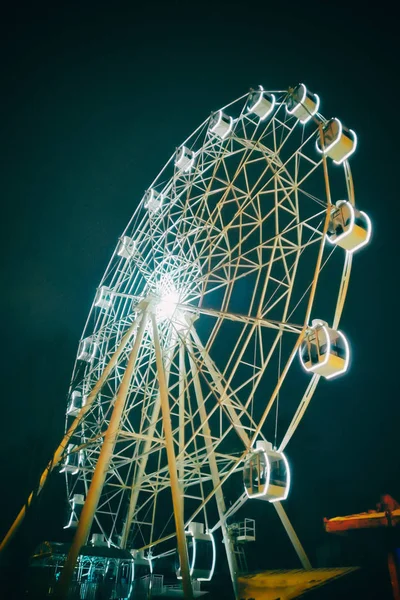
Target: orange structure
387,514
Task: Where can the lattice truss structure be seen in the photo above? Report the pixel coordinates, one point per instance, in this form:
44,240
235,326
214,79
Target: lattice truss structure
229,250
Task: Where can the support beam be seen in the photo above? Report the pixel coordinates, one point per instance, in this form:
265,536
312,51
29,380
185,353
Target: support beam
144,454
182,384
248,320
301,409
344,285
292,535
231,510
175,487
219,497
141,469
235,419
225,400
102,466
58,454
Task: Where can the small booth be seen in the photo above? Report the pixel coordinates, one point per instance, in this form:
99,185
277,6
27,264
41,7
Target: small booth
100,572
184,159
261,103
266,473
76,503
324,351
72,461
77,400
104,297
201,551
220,124
302,104
87,350
126,247
349,228
153,200
338,142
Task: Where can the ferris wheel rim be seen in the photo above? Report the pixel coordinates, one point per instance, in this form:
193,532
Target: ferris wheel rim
338,310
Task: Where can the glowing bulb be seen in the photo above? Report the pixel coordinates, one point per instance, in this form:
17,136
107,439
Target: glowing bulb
167,304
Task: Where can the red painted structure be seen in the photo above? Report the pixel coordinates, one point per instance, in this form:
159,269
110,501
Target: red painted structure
387,514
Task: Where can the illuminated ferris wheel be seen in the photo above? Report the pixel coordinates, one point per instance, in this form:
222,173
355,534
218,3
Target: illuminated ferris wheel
214,321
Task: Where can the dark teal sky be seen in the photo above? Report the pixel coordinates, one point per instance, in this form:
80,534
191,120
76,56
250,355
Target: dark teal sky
95,97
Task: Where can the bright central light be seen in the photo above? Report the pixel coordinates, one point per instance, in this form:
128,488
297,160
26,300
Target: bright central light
167,297
167,305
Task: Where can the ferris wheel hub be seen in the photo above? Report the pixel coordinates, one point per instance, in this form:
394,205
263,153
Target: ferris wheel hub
167,304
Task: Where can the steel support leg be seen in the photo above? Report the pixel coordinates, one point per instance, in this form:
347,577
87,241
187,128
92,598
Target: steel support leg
173,474
101,469
145,453
57,456
214,471
292,535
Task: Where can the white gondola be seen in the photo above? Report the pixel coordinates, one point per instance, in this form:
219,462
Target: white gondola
338,142
104,297
73,461
201,551
349,228
184,159
126,247
87,350
261,103
324,351
302,104
76,503
124,580
153,200
220,124
77,400
266,473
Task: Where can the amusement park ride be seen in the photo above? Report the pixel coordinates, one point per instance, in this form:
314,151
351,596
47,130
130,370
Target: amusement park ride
198,329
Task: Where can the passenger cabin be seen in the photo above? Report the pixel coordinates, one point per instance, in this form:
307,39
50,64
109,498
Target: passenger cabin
72,461
126,247
261,103
104,297
324,351
338,142
302,104
153,200
77,400
266,474
87,350
184,159
201,552
76,503
220,124
349,228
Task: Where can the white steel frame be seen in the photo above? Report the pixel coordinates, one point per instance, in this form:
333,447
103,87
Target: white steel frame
225,276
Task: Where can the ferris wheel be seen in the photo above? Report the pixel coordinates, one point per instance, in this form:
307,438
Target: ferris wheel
213,323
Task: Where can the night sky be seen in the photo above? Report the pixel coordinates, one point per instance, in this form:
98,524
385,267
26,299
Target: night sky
94,100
